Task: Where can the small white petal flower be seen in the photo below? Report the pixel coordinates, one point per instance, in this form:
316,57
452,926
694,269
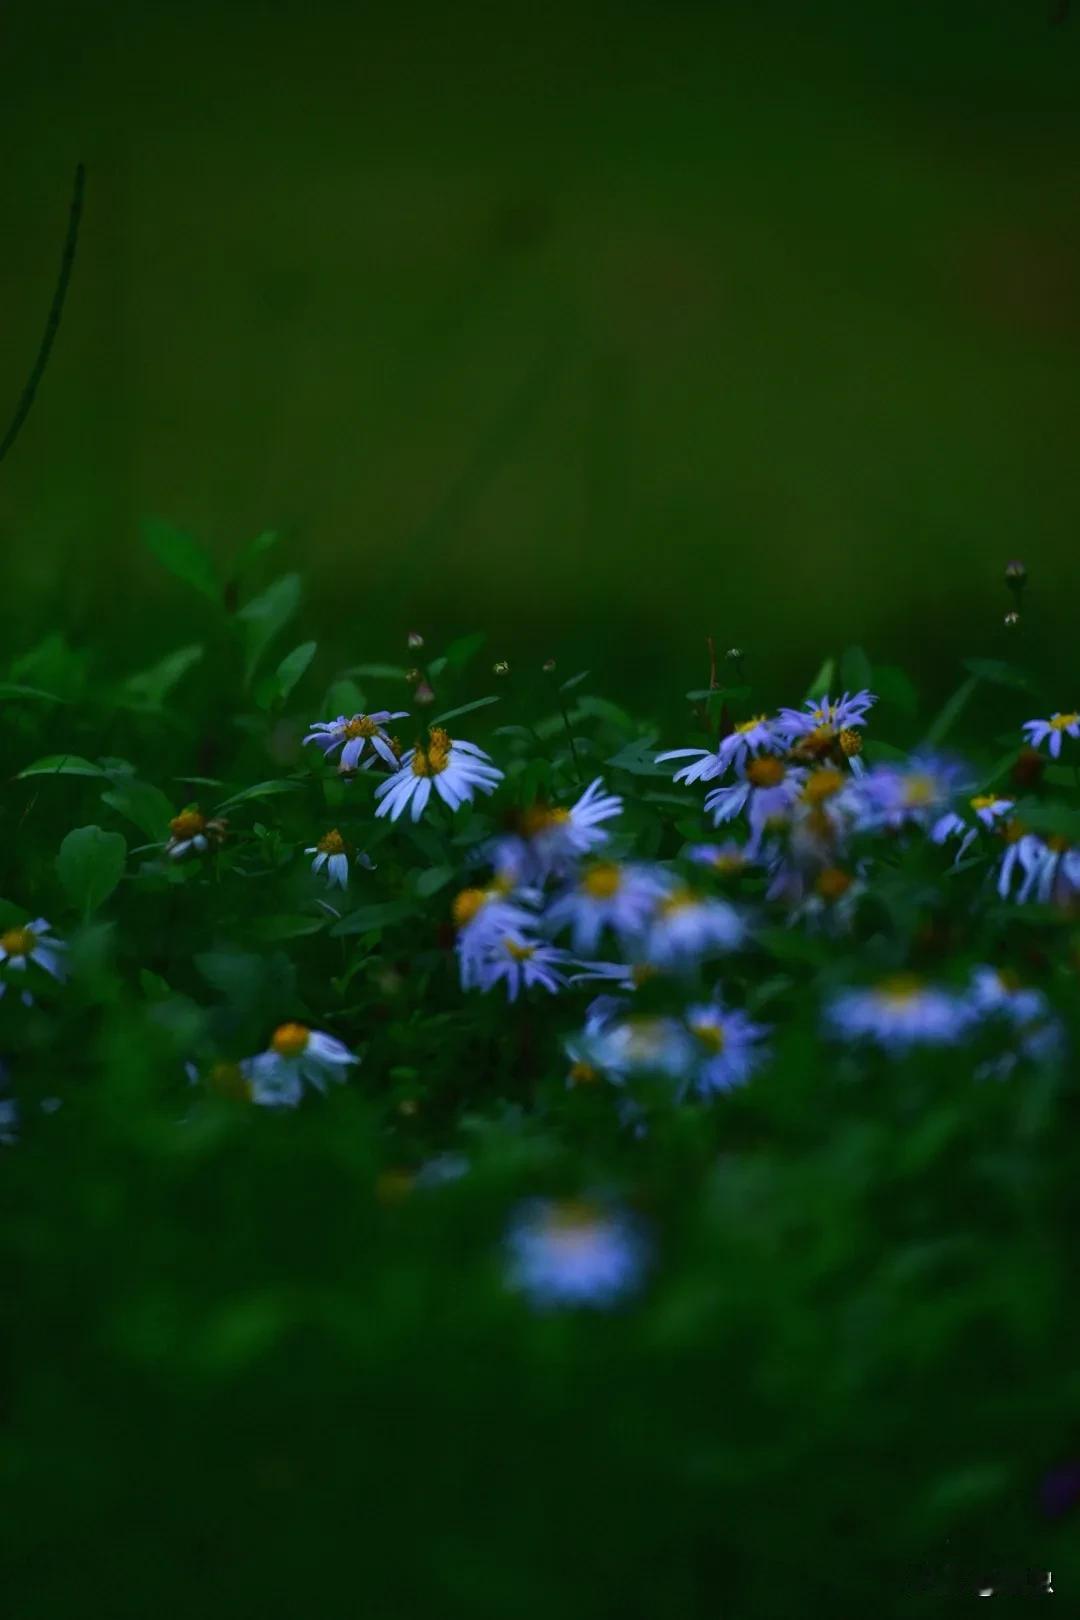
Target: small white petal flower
31,945
330,852
457,770
839,715
519,962
608,895
1051,731
363,739
687,926
731,1046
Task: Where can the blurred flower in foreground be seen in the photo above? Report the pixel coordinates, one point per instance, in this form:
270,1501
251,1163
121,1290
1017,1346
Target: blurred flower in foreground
730,1044
916,793
749,737
608,894
519,962
31,944
1051,731
456,770
841,715
898,1013
295,1055
688,926
766,790
1025,1012
988,809
552,837
360,738
571,1253
191,830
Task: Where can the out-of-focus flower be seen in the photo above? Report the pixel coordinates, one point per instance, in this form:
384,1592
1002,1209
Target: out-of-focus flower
988,808
553,837
727,859
296,1056
687,927
608,895
361,738
730,1043
766,790
1024,1011
519,962
456,770
574,1253
1051,731
191,830
899,1013
916,793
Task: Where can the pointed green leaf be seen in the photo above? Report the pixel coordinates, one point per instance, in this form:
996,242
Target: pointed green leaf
184,557
62,765
90,865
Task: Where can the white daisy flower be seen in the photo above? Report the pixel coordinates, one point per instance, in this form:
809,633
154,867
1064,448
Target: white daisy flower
899,1013
482,916
989,810
330,852
1051,731
730,1043
916,793
608,895
621,1046
363,738
30,944
457,770
999,995
519,962
192,831
839,715
754,736
553,837
296,1055
766,790
687,926
727,859
571,1253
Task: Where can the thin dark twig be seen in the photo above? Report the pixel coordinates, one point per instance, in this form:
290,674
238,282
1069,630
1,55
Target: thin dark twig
52,325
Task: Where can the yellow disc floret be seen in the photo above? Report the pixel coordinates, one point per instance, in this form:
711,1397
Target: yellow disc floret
602,881
361,725
331,843
766,772
187,824
17,941
290,1040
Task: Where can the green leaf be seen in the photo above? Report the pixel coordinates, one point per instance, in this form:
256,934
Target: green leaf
292,666
263,616
465,708
62,765
378,672
369,918
150,687
465,648
432,880
951,712
262,790
12,690
855,670
575,680
999,673
272,929
638,757
822,681
184,557
1049,816
255,549
143,804
598,708
894,687
343,697
90,865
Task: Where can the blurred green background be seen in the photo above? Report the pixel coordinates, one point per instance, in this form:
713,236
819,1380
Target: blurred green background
600,325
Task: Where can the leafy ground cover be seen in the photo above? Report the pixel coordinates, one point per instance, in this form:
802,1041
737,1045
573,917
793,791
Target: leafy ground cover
470,1149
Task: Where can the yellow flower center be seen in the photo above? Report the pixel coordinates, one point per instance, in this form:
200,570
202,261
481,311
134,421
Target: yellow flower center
920,790
728,863
711,1036
519,953
18,941
332,843
467,904
583,1074
822,784
1060,722
748,725
677,900
1058,843
361,725
430,761
900,987
572,1218
602,881
1013,831
851,741
643,971
1009,980
226,1080
289,1040
540,818
187,824
983,801
833,883
765,772
393,1186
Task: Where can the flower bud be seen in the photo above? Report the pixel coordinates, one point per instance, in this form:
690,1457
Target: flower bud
735,654
415,639
1012,619
1015,575
425,693
548,666
500,668
413,675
